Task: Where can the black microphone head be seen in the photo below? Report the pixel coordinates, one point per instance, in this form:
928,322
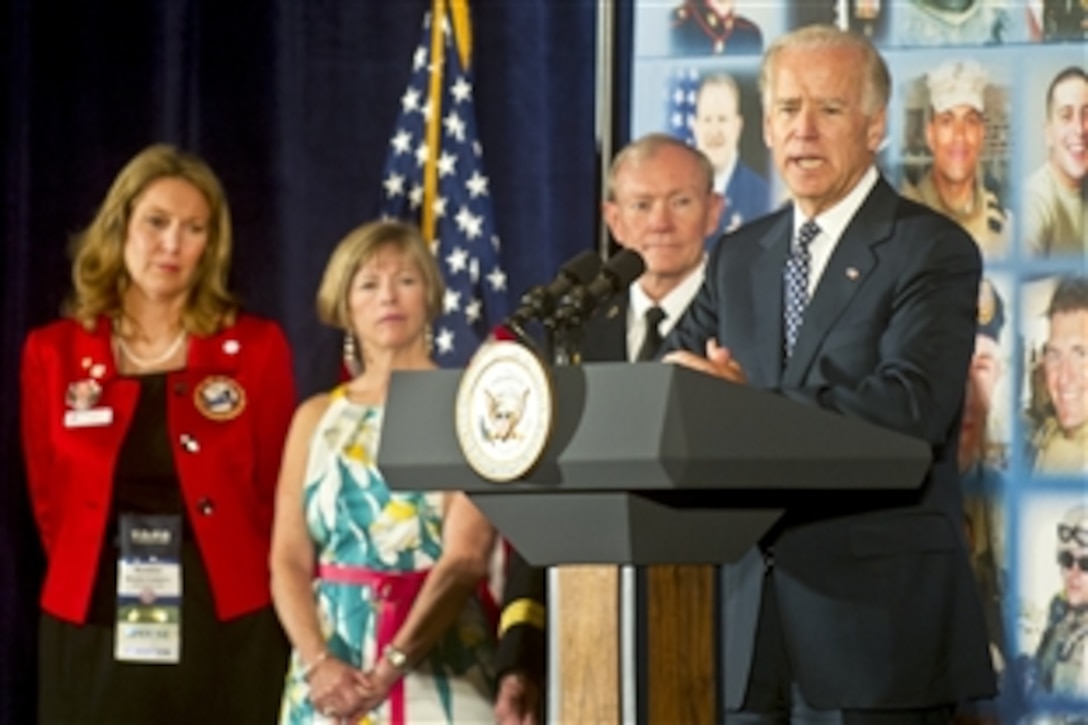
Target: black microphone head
624,267
580,269
540,300
618,272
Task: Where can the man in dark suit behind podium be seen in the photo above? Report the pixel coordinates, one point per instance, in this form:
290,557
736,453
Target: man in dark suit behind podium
661,203
858,608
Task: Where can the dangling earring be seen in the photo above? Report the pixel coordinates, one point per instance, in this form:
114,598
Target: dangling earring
351,359
428,339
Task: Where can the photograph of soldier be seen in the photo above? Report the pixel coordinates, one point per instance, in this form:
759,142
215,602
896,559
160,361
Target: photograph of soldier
1058,21
955,137
1057,376
982,457
1055,199
1061,659
958,22
713,27
716,129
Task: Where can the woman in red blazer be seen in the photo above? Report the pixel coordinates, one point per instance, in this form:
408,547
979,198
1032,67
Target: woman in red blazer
153,417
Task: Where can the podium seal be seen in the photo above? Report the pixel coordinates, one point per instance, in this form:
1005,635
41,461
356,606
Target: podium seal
505,410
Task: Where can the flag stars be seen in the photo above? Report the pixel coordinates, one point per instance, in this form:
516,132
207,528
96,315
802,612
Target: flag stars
422,153
461,90
455,127
470,224
419,58
394,185
457,260
497,279
447,164
438,206
415,196
472,311
474,270
410,100
496,243
476,184
451,301
401,142
443,341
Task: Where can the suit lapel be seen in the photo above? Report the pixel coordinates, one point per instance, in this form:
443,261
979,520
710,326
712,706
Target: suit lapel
606,332
850,264
766,301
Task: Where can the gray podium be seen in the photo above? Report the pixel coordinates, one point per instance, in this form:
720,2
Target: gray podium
641,456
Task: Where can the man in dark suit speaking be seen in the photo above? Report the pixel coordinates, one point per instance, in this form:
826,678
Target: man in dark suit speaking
859,608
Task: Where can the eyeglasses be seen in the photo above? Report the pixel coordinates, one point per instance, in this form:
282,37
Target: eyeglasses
1067,534
1066,561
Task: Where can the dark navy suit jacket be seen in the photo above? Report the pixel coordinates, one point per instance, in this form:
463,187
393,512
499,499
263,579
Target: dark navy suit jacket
877,603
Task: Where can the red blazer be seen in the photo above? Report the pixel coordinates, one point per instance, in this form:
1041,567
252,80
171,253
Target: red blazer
227,458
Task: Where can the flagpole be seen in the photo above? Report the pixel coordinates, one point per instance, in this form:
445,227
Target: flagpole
606,68
434,101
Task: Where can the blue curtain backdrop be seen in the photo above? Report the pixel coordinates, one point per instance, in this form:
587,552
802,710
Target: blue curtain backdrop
292,102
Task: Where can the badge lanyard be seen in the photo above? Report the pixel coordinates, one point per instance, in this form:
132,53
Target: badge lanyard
149,590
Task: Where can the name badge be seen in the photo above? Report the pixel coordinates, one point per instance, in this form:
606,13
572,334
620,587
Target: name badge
92,418
149,590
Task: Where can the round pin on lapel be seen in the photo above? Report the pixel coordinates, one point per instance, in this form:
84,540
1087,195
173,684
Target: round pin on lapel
219,398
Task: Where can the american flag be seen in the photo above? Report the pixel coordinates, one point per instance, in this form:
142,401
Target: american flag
434,176
680,103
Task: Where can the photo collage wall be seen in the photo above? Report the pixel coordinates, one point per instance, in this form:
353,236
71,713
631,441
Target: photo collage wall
988,123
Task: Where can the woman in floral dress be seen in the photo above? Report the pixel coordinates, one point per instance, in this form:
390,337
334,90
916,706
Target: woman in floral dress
377,589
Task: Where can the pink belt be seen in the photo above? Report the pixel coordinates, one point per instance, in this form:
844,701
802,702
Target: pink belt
394,591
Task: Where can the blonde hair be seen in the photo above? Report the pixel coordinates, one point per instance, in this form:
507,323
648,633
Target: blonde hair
99,275
359,247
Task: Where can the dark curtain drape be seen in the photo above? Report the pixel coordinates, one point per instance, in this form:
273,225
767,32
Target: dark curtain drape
293,103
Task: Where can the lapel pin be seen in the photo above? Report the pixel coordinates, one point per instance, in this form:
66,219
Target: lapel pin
83,394
231,347
219,398
852,273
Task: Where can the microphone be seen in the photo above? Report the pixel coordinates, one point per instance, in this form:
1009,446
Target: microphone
618,272
539,302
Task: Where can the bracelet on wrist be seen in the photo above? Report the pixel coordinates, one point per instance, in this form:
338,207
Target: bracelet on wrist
308,670
396,658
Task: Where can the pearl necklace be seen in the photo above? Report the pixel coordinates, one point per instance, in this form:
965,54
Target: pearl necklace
144,362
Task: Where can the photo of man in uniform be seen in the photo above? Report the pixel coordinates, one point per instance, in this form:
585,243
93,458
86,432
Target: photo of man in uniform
713,27
1056,195
955,134
716,128
1061,440
1061,659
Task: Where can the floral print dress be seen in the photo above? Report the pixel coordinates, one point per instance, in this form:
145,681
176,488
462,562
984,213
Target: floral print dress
356,522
